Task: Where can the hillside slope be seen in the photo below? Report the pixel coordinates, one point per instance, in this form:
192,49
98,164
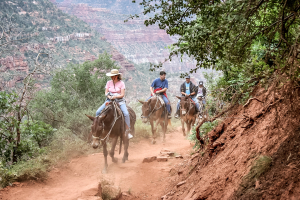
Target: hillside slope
253,153
69,39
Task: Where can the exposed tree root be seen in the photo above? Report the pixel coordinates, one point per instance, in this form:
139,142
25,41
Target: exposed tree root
254,98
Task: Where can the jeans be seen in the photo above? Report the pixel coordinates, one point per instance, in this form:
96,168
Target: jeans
194,99
166,102
123,108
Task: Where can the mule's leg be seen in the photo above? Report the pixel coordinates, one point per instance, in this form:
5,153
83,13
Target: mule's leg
153,132
126,145
182,127
112,151
104,171
188,124
163,125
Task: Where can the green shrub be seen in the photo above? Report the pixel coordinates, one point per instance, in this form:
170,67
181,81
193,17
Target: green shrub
142,130
262,164
204,129
63,146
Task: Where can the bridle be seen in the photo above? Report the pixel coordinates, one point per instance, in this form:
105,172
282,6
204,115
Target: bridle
115,119
191,105
149,107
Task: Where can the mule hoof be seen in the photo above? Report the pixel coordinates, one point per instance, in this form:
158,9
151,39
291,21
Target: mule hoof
115,160
104,171
123,160
153,141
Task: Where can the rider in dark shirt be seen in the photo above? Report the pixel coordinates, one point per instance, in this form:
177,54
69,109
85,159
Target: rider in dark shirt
188,89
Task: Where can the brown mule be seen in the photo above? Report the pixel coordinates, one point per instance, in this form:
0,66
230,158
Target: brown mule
188,113
153,111
111,124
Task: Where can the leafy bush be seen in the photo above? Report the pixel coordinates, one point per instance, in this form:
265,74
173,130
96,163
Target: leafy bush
63,146
8,124
34,138
142,130
73,89
204,129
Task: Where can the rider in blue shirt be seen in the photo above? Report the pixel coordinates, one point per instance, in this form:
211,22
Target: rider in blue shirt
161,83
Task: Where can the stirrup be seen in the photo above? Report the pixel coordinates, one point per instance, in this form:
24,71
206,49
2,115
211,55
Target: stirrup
177,116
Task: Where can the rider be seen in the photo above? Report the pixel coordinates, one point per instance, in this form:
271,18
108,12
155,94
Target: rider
160,86
115,89
201,92
190,90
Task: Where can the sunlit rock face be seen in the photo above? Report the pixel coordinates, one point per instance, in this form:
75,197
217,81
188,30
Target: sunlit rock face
138,43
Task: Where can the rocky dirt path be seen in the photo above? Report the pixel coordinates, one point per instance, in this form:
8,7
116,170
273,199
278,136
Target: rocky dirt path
81,175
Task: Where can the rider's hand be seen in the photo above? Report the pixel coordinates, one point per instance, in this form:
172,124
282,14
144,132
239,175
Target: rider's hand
157,92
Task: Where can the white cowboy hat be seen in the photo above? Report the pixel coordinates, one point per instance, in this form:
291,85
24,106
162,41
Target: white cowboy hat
113,72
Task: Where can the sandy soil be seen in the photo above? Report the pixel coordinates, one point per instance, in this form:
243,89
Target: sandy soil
81,175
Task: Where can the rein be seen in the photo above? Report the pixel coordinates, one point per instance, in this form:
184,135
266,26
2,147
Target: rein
115,119
153,108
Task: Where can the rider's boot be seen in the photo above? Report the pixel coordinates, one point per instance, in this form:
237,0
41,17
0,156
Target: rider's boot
128,134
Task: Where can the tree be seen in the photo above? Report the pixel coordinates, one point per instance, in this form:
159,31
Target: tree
221,34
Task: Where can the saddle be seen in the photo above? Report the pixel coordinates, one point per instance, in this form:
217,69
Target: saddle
161,100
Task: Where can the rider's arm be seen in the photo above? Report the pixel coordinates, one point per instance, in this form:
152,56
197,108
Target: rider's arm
119,96
106,91
162,91
151,90
192,93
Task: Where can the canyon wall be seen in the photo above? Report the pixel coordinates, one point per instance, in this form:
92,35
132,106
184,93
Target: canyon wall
138,43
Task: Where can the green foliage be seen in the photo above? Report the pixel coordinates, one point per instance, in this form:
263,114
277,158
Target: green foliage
74,89
262,164
63,146
142,130
204,129
8,123
36,135
213,31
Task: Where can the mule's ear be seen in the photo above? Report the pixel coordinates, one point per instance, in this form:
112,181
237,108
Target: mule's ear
102,116
142,102
178,97
91,118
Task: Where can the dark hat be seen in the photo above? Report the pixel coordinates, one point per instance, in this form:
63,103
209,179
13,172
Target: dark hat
187,77
200,82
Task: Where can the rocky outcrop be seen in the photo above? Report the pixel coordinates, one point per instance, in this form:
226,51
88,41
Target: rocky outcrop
13,64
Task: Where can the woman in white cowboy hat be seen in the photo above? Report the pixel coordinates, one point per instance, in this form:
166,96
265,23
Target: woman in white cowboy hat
115,89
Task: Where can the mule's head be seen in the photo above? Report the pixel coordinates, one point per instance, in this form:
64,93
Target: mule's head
146,110
184,104
97,129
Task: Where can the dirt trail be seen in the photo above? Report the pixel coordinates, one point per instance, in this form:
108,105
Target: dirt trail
81,175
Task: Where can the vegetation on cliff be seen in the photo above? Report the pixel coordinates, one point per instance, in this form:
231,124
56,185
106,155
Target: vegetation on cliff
30,27
53,124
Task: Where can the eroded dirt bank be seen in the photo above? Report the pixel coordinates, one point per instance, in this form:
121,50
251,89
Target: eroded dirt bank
222,171
81,176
